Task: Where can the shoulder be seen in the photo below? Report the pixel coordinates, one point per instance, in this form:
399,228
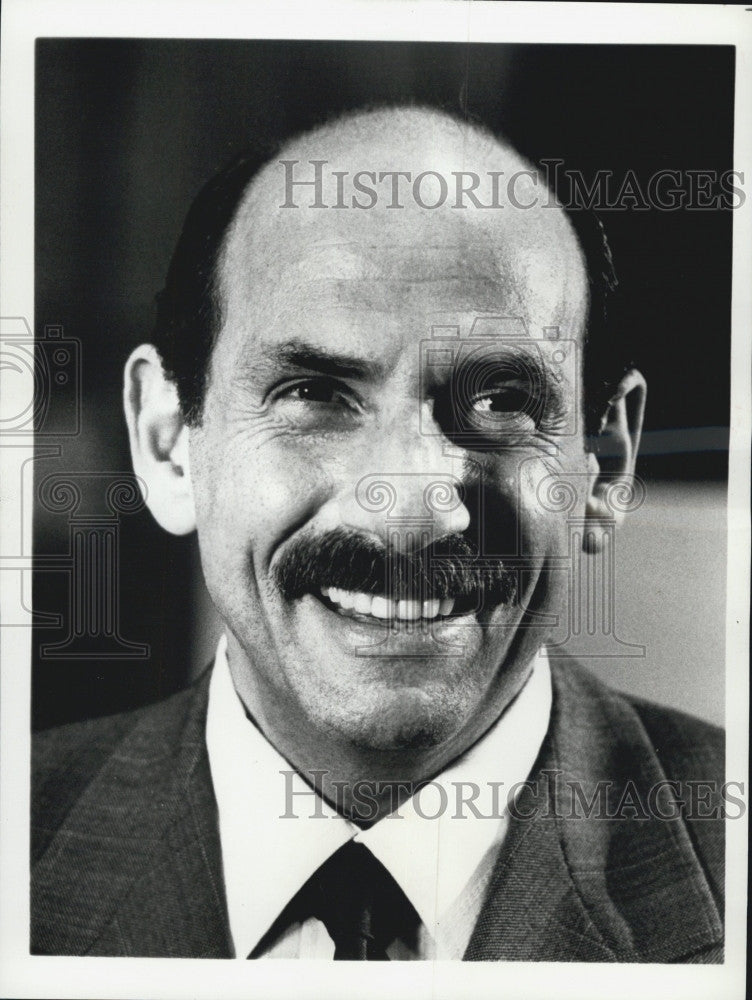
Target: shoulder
669,762
686,746
66,759
692,754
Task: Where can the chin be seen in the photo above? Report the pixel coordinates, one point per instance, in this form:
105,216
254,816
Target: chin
413,720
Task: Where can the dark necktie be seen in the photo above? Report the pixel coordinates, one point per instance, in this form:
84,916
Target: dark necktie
359,903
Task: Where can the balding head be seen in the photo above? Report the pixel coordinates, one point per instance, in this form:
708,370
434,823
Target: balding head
239,216
378,197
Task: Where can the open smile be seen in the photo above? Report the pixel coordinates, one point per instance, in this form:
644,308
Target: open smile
383,610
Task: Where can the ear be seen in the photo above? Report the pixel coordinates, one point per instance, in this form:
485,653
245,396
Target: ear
613,459
159,441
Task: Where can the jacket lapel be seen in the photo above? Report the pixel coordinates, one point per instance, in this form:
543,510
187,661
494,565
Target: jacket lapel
143,841
568,887
532,911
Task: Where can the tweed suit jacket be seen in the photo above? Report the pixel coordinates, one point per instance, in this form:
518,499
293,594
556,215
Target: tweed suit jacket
126,857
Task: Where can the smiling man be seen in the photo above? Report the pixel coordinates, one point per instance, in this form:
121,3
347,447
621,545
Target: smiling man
362,404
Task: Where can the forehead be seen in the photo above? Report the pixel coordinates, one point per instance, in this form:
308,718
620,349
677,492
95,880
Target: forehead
383,274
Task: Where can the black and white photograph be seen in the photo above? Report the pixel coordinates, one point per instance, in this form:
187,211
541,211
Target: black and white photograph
375,443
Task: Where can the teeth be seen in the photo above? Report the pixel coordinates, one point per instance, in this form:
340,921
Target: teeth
430,609
363,603
383,608
346,599
409,610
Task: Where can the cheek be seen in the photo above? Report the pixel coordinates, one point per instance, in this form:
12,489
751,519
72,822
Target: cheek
251,497
548,498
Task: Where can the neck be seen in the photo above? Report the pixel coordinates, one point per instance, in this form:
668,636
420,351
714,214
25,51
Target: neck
360,782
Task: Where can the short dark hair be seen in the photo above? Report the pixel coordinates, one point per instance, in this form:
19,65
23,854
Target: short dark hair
189,310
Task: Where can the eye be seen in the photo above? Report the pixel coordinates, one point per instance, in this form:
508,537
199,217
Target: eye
315,391
495,414
501,402
316,404
312,391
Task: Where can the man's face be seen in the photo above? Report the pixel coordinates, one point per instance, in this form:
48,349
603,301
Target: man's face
329,426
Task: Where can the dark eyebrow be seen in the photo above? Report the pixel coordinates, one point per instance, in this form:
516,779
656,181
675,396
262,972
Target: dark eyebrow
325,361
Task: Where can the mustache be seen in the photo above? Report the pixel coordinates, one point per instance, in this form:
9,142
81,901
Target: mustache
450,567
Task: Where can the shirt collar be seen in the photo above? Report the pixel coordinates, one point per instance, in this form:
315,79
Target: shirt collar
434,845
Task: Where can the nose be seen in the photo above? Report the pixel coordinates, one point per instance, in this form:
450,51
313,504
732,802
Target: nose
409,487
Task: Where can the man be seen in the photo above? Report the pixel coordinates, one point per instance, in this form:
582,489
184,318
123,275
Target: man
362,403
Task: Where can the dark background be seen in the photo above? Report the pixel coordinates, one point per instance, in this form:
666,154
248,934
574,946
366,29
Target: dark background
127,131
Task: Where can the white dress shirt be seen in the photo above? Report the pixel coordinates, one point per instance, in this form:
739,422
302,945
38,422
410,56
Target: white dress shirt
439,850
